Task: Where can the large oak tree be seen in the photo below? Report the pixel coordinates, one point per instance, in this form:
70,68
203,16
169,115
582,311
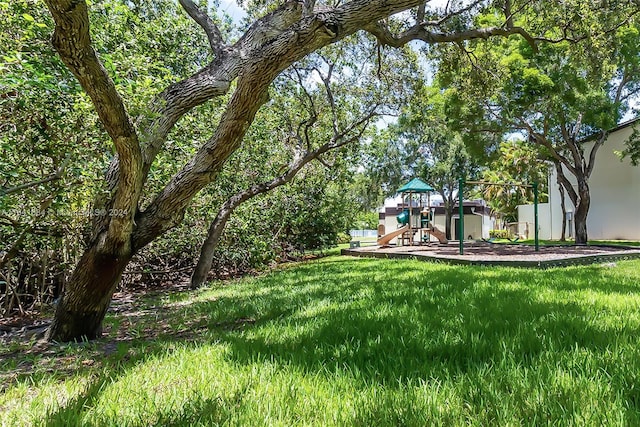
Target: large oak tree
244,69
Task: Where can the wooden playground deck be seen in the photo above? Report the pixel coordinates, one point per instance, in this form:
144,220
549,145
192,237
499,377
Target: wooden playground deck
481,253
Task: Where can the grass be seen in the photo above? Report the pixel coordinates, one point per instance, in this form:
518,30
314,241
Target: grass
344,341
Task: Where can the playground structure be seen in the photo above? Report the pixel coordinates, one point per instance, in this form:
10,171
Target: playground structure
390,236
416,218
478,252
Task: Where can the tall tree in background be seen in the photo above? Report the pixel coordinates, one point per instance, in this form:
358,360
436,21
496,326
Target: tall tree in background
559,95
130,218
314,89
440,155
518,163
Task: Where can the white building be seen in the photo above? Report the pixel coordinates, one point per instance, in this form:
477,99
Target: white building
614,212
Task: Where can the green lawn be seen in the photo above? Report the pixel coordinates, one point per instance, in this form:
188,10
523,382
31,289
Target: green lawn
344,341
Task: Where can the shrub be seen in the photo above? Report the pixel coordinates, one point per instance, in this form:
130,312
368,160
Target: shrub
343,238
500,234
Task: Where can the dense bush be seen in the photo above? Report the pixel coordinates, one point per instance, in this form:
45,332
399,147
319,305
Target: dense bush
343,238
50,130
500,234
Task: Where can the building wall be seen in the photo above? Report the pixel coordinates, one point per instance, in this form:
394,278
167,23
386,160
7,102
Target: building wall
615,196
489,223
526,215
472,227
390,223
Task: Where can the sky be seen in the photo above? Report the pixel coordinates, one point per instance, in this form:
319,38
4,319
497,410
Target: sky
232,9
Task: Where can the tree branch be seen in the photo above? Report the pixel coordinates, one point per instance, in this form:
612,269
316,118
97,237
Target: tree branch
570,143
418,32
447,16
52,177
72,40
215,79
508,15
338,139
210,28
566,184
313,114
542,140
594,150
326,81
212,81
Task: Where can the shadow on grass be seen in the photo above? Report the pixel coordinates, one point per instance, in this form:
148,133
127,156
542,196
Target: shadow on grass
68,415
394,322
197,411
394,325
420,331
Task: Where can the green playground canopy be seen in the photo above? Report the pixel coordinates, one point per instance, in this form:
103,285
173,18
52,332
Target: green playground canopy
416,185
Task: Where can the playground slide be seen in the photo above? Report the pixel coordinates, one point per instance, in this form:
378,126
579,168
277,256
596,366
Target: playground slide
389,236
442,238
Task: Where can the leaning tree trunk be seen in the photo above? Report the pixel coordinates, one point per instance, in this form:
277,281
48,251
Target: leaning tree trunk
448,214
87,295
581,212
217,226
563,234
203,266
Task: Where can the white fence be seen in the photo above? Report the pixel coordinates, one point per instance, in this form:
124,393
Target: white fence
363,233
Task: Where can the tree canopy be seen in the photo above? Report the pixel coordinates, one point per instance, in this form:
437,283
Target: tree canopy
556,95
194,66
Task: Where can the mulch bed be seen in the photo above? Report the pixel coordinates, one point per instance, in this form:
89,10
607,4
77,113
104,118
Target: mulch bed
515,255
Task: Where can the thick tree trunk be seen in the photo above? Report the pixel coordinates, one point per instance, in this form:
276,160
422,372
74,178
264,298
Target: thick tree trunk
580,200
449,204
580,217
582,210
563,202
447,219
87,295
